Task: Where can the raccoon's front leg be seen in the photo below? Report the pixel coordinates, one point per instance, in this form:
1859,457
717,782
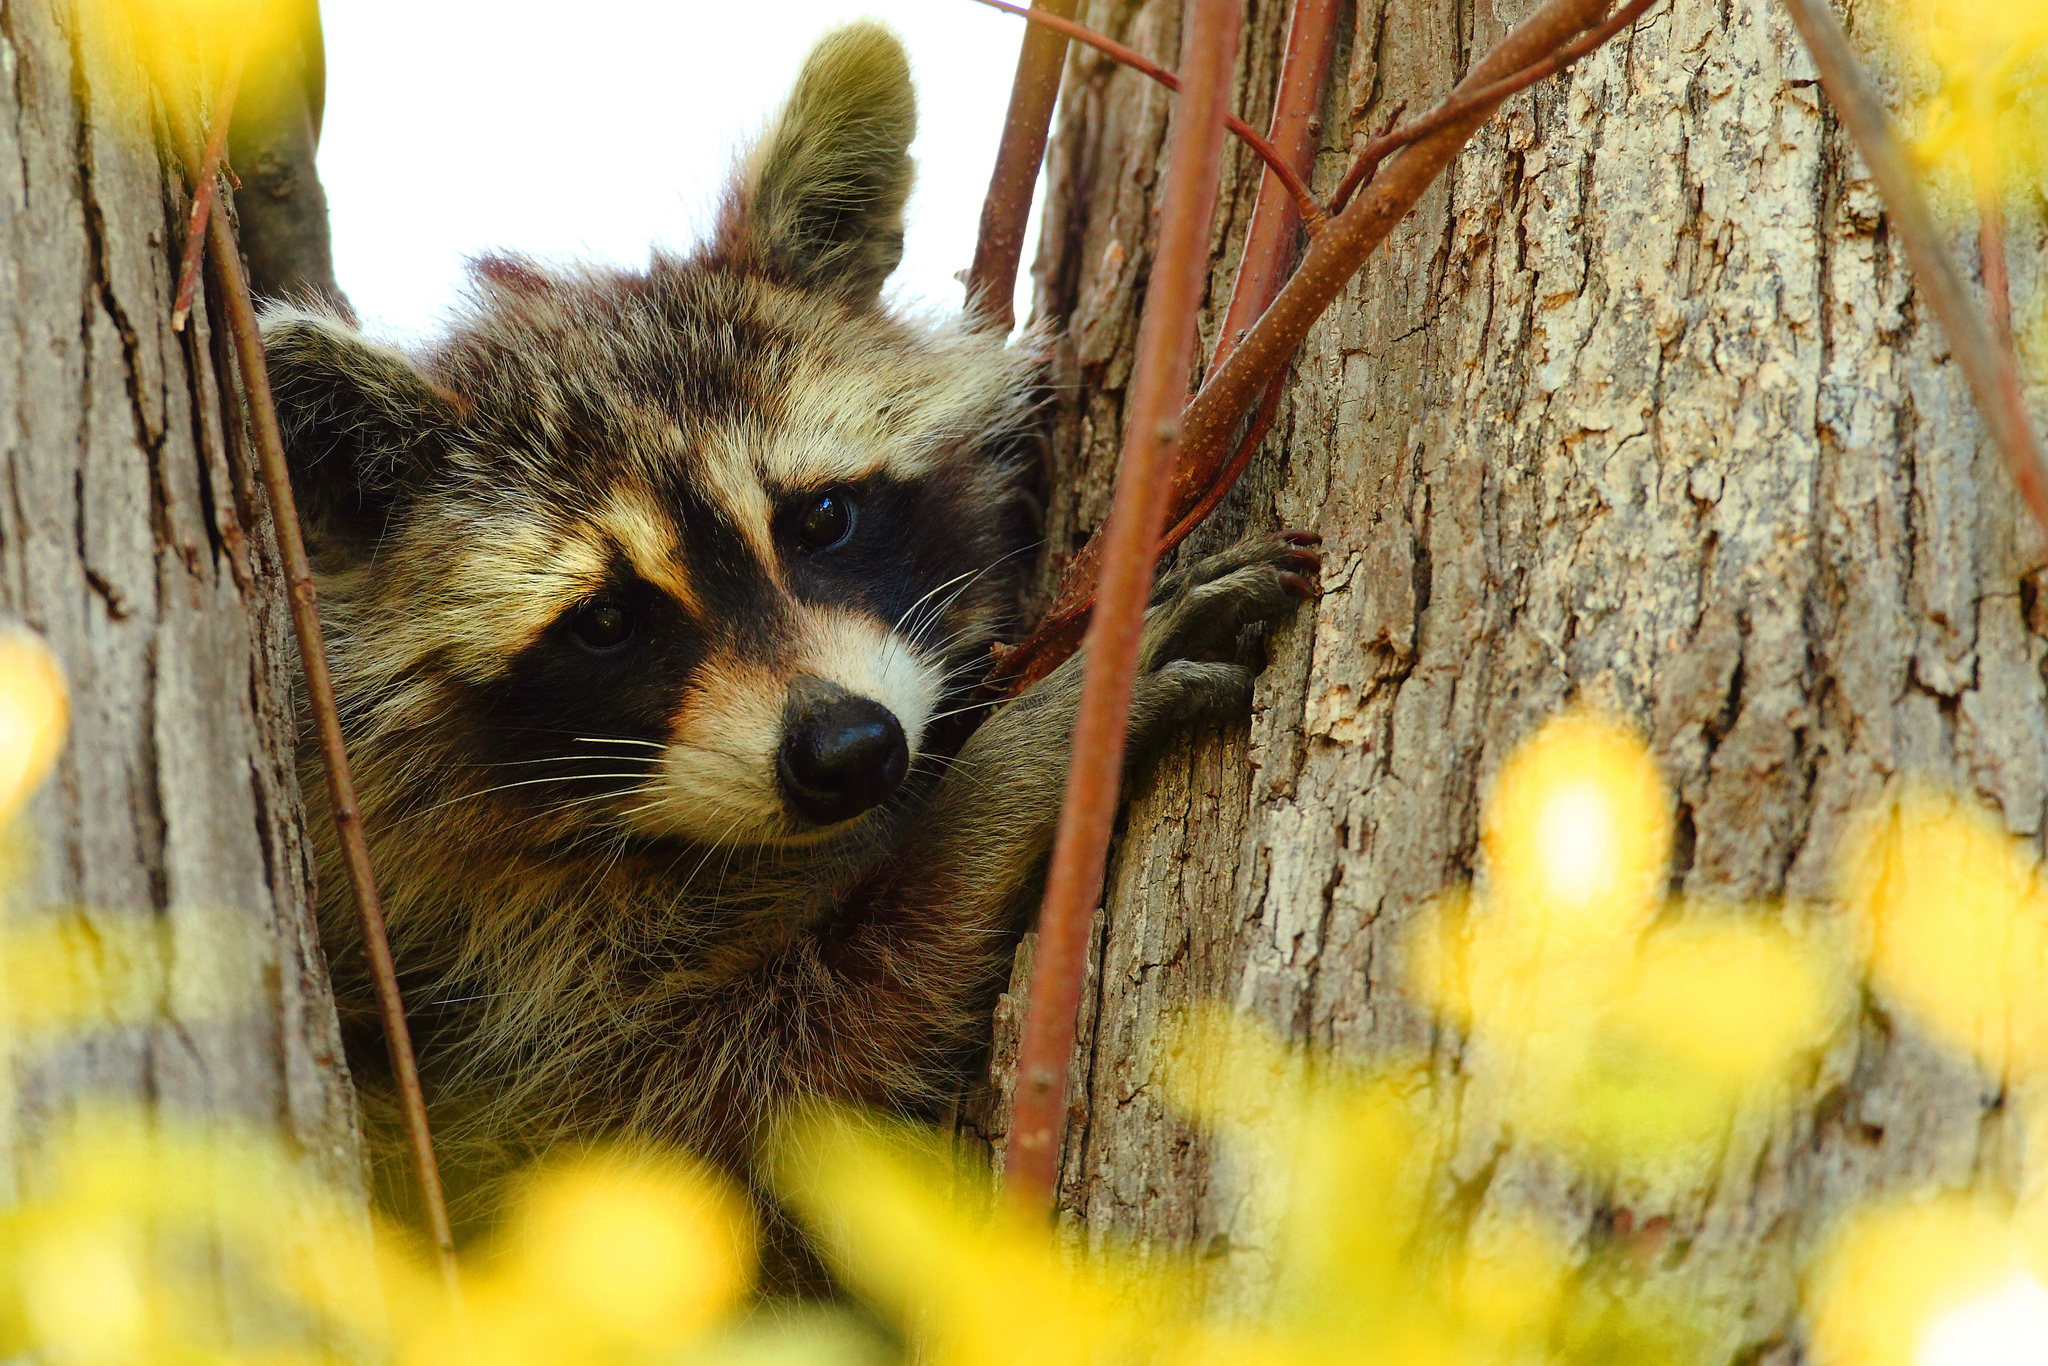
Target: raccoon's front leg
994,814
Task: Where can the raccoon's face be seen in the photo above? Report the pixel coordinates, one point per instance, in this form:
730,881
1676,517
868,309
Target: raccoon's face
710,552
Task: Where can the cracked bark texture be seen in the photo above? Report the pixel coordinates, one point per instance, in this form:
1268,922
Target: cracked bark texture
1638,409
168,845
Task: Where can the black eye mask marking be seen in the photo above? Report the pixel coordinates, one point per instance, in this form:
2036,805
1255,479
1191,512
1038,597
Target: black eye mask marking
892,547
592,698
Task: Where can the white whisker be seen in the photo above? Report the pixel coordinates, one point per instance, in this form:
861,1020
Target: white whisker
529,782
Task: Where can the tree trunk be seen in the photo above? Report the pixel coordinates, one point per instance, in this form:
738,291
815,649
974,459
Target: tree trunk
1639,409
168,847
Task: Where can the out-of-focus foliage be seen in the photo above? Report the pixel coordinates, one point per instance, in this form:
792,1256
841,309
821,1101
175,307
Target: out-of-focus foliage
178,50
35,709
1958,920
1982,131
1956,916
1602,1016
1955,1281
1987,122
1366,1275
974,1279
1612,1022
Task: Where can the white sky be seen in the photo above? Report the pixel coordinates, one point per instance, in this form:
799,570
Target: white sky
593,130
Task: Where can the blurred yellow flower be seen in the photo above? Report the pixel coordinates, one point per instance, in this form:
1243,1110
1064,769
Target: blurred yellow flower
1958,922
138,1234
615,1257
132,1236
35,709
1597,1023
1989,116
183,45
1577,835
1365,1267
1954,1281
975,1286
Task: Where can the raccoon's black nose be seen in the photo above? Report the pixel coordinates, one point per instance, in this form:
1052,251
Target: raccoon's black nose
841,755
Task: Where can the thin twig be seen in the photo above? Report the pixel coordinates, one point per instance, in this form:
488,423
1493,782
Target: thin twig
1066,621
298,575
206,185
1269,242
1165,355
1997,273
1334,256
1269,251
1227,477
1310,208
1991,368
1380,148
1006,211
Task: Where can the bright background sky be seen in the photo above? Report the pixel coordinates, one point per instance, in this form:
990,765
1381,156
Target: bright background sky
593,130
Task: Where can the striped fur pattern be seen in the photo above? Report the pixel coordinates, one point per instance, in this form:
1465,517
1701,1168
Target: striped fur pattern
573,599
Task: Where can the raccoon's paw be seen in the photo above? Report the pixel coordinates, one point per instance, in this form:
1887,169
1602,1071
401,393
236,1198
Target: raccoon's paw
1200,611
1182,691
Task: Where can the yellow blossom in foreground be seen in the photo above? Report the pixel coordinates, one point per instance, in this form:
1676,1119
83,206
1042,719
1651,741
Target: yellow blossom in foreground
1989,117
1597,1022
978,1286
35,709
131,1239
1365,1270
1360,1254
1949,1282
1958,922
613,1258
1577,835
136,1238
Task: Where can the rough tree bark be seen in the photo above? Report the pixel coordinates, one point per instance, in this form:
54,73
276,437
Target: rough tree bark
168,846
1639,409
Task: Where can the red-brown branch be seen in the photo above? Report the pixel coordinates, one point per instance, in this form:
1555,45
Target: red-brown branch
1070,620
1989,366
206,185
1227,477
298,575
1997,273
1278,215
1380,148
1306,203
1006,211
1334,256
1269,251
1166,344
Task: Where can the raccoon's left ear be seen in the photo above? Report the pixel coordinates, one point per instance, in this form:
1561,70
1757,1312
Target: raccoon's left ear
820,204
362,425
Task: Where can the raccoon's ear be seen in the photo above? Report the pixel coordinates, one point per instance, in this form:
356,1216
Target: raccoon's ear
361,423
820,203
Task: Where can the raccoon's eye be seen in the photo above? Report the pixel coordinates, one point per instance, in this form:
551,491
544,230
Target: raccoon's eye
602,624
826,520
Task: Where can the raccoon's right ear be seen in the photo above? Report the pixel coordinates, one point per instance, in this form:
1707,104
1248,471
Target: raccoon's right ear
361,423
820,203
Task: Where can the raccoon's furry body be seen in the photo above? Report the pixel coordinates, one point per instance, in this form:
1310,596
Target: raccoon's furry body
656,603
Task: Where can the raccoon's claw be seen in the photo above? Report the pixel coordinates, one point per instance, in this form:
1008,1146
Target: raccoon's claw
1291,551
1207,605
1300,568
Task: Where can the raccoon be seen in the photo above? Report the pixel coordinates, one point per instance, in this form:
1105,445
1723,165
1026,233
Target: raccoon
659,605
